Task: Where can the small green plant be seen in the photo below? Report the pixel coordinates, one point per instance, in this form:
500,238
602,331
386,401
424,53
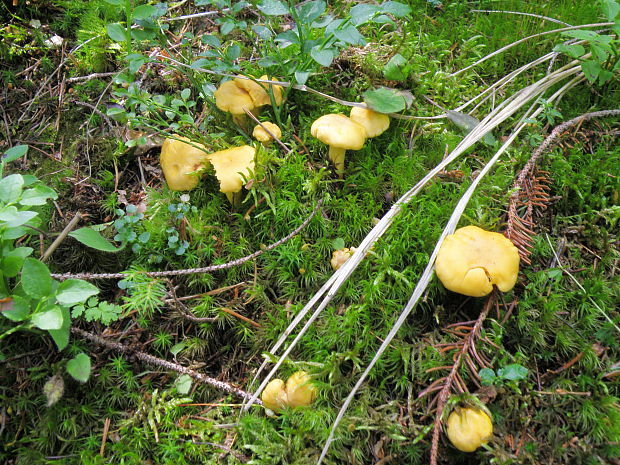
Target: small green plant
509,374
128,227
95,310
31,300
602,59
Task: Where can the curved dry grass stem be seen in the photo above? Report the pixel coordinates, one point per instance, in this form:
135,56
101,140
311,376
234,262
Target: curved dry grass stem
520,13
540,34
540,87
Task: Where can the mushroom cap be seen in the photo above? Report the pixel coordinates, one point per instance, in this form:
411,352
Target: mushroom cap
469,428
340,257
299,390
274,395
472,260
232,98
231,166
261,135
258,91
337,130
177,160
374,123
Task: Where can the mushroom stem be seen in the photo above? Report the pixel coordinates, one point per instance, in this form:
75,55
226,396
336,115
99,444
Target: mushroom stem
336,155
234,197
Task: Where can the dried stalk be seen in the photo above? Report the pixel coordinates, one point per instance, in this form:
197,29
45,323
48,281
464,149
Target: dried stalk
205,269
159,362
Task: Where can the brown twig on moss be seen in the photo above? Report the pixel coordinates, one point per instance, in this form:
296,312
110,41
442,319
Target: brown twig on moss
531,188
159,362
205,269
453,379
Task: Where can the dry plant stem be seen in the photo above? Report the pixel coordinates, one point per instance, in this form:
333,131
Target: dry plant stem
159,362
91,76
470,340
329,289
206,269
529,92
546,18
503,49
62,236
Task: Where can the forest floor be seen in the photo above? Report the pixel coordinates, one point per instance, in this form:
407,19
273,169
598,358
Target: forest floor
157,368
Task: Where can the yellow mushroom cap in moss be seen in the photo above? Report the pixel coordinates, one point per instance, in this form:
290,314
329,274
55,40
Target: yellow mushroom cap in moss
233,99
300,391
472,260
374,123
274,395
340,257
341,134
263,136
231,166
178,159
258,91
469,428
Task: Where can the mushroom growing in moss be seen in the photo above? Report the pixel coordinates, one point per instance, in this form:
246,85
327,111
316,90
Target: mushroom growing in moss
340,257
231,166
298,392
259,92
235,100
472,260
263,136
179,161
374,123
469,428
340,134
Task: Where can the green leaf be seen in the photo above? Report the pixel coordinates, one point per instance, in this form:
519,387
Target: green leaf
11,188
362,12
273,8
114,2
36,279
350,35
513,372
61,336
15,309
301,76
573,51
144,12
310,11
338,243
79,367
487,376
396,9
201,63
186,93
117,32
49,319
75,291
14,153
384,100
322,57
14,218
38,195
94,239
591,70
183,384
467,123
211,40
610,9
175,349
136,60
397,69
13,261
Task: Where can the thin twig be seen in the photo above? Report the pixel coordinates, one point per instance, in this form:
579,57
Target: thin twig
91,76
62,236
205,269
546,18
159,362
266,129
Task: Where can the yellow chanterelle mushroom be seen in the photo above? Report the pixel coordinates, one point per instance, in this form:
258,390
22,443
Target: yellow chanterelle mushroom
263,136
179,161
472,260
469,428
297,392
231,166
374,123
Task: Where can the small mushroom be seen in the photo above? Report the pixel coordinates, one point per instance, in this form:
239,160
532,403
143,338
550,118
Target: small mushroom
298,392
263,136
231,166
233,99
179,162
341,134
469,428
340,257
374,123
259,91
274,395
472,260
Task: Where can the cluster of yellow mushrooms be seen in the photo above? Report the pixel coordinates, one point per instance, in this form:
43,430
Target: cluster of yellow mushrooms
471,261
